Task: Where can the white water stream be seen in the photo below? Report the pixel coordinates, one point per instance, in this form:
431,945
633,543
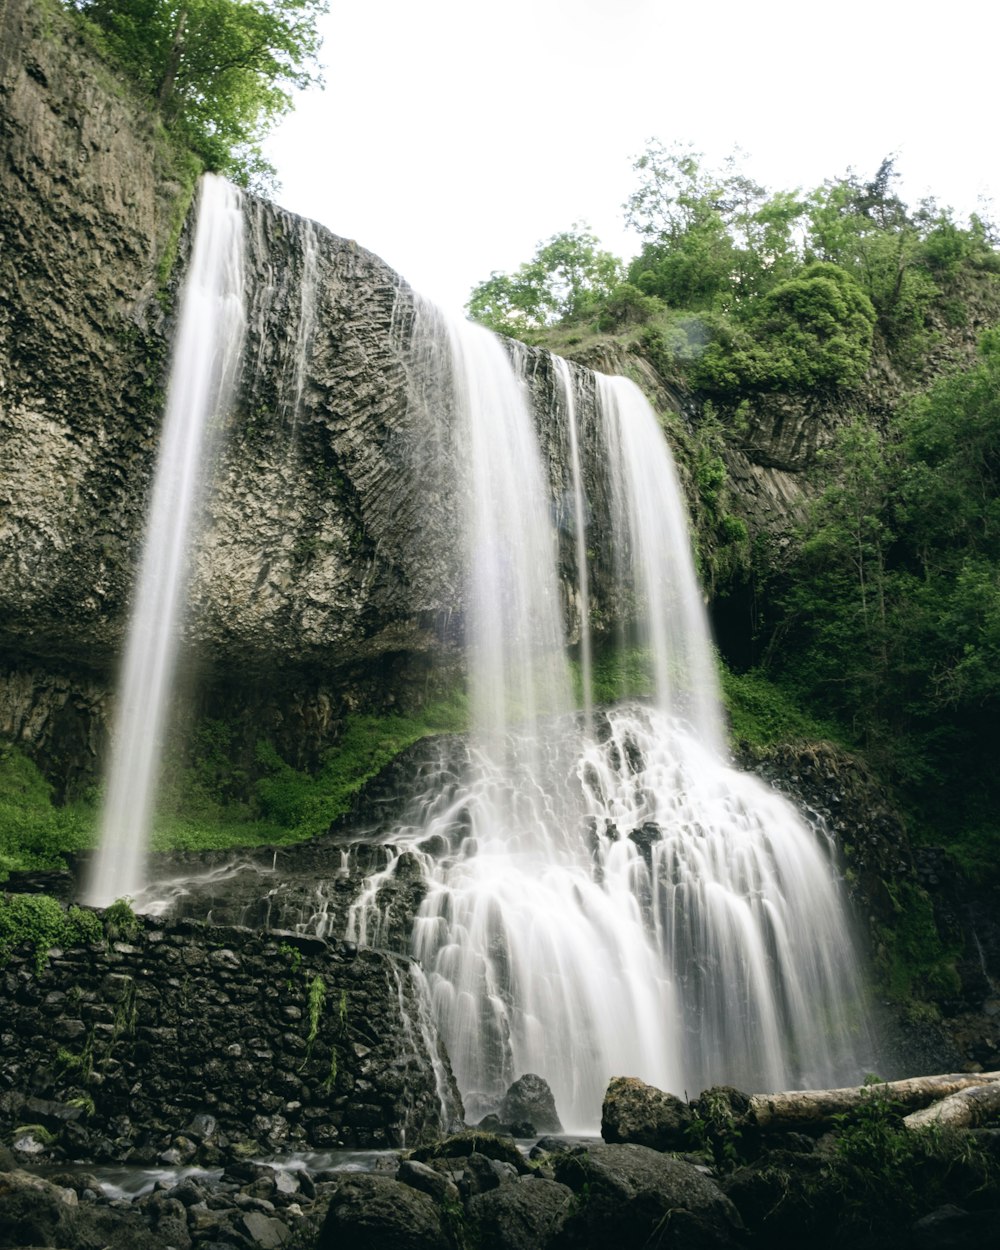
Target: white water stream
618,902
605,895
206,353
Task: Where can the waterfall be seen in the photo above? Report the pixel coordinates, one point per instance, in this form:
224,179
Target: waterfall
653,558
607,896
205,356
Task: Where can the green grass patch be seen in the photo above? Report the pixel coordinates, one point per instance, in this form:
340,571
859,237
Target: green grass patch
214,805
764,714
35,834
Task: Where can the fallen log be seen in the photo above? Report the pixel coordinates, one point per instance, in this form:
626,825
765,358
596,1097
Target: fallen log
814,1106
968,1108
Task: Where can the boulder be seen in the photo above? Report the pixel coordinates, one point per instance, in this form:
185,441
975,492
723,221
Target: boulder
378,1213
952,1228
34,1212
529,1100
645,1116
528,1215
632,1197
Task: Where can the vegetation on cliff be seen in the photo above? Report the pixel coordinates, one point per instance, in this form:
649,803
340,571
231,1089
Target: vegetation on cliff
219,71
867,325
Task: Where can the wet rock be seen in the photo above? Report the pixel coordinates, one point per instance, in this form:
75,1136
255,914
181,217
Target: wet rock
528,1215
782,1197
530,1100
378,1213
34,1212
470,1142
264,1230
428,1180
952,1228
168,1218
639,1113
632,1196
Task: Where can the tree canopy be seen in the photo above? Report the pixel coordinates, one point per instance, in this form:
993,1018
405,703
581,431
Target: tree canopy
568,277
220,71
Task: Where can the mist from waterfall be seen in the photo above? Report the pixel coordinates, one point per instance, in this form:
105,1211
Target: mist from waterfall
206,353
606,896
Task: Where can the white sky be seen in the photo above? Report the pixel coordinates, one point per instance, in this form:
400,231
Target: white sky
454,135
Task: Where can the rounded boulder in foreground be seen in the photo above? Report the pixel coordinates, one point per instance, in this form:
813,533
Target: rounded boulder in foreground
643,1115
379,1213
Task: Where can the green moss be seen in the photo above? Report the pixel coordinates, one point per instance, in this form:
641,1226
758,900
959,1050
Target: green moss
185,168
914,961
216,803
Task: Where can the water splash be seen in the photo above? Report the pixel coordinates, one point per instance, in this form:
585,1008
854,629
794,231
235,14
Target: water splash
206,353
619,901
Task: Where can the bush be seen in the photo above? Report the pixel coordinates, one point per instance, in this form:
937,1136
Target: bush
814,330
40,921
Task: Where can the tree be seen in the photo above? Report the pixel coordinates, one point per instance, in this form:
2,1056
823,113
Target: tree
569,276
813,330
713,238
220,71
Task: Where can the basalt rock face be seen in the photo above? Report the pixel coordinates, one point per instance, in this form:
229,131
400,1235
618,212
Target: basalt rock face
328,573
325,571
216,1034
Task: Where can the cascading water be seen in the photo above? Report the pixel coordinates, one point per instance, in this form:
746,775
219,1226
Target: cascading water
618,902
206,353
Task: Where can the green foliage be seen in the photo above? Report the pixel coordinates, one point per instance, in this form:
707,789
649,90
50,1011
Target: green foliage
714,1129
121,921
713,237
219,71
814,330
627,306
764,714
294,957
569,277
297,804
317,1001
40,921
891,609
34,832
915,962
887,1176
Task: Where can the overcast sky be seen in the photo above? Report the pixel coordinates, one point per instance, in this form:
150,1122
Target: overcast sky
453,135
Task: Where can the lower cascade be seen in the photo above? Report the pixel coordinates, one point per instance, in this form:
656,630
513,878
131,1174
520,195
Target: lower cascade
607,895
602,892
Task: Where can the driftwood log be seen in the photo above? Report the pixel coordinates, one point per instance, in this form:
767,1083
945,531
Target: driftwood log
957,1099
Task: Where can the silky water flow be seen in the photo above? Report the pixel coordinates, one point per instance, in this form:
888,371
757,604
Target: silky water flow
605,894
205,356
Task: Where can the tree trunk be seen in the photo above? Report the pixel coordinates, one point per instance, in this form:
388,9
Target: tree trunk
966,1109
815,1106
166,88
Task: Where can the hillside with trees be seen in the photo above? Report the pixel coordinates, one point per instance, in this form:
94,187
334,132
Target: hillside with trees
869,328
219,72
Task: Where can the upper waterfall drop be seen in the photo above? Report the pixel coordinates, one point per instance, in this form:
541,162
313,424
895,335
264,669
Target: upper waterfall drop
653,559
205,358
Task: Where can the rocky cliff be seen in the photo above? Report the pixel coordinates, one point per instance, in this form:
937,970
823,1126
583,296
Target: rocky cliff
318,557
328,571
